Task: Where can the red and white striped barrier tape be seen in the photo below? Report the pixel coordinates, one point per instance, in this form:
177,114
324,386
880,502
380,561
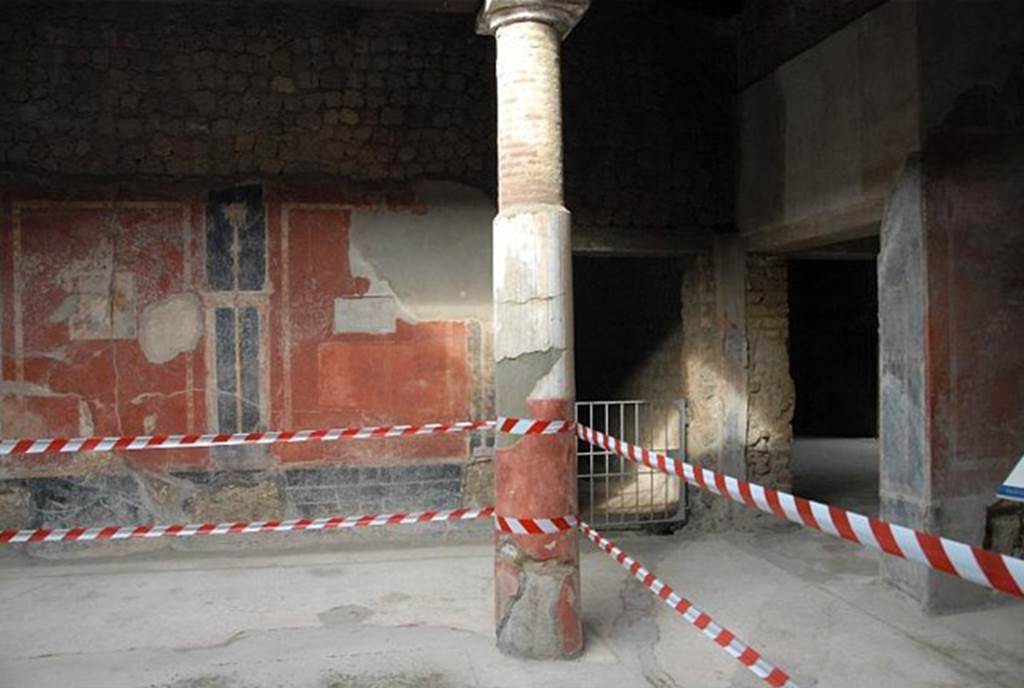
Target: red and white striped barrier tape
65,445
736,648
529,426
508,524
238,527
981,566
534,526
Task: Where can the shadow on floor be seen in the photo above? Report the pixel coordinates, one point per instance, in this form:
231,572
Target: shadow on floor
838,471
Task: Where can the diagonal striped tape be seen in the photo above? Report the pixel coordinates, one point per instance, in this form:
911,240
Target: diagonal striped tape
534,526
981,566
529,426
733,646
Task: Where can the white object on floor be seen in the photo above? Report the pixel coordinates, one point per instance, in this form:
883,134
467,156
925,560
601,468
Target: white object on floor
1013,486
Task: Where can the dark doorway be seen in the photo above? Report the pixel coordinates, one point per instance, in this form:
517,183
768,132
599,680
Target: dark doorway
628,314
833,340
833,343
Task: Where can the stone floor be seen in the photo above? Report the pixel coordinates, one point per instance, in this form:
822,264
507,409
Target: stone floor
839,471
340,612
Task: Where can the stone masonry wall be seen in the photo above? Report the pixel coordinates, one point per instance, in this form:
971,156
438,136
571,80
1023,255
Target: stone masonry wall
648,119
246,90
161,89
701,356
771,395
770,392
164,103
702,382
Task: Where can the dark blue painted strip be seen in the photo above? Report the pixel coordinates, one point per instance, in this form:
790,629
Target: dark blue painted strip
252,241
249,359
227,380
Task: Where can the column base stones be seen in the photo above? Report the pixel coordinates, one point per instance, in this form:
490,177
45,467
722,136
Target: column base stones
538,603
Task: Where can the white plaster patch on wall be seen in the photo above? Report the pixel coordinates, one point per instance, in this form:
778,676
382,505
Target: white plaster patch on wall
380,295
437,263
170,326
369,314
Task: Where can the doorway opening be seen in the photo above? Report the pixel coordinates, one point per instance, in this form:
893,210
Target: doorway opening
833,339
628,331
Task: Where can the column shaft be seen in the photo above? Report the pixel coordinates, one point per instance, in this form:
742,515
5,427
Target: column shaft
536,576
529,115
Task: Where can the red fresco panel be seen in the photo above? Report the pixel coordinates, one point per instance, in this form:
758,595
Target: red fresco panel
86,275
976,308
418,374
318,267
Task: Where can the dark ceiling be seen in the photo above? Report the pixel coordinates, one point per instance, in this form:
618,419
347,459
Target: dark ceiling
712,9
719,9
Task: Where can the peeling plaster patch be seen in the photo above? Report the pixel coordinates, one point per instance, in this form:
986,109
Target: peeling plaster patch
558,382
516,378
170,326
532,282
388,247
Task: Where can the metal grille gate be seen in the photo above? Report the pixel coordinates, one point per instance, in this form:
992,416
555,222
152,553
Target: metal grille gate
618,493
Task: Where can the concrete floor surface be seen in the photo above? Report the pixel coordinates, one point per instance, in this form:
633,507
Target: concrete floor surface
400,616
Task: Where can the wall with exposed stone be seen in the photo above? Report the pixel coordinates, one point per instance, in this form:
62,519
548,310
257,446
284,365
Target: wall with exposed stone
159,89
770,395
702,385
157,162
249,90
